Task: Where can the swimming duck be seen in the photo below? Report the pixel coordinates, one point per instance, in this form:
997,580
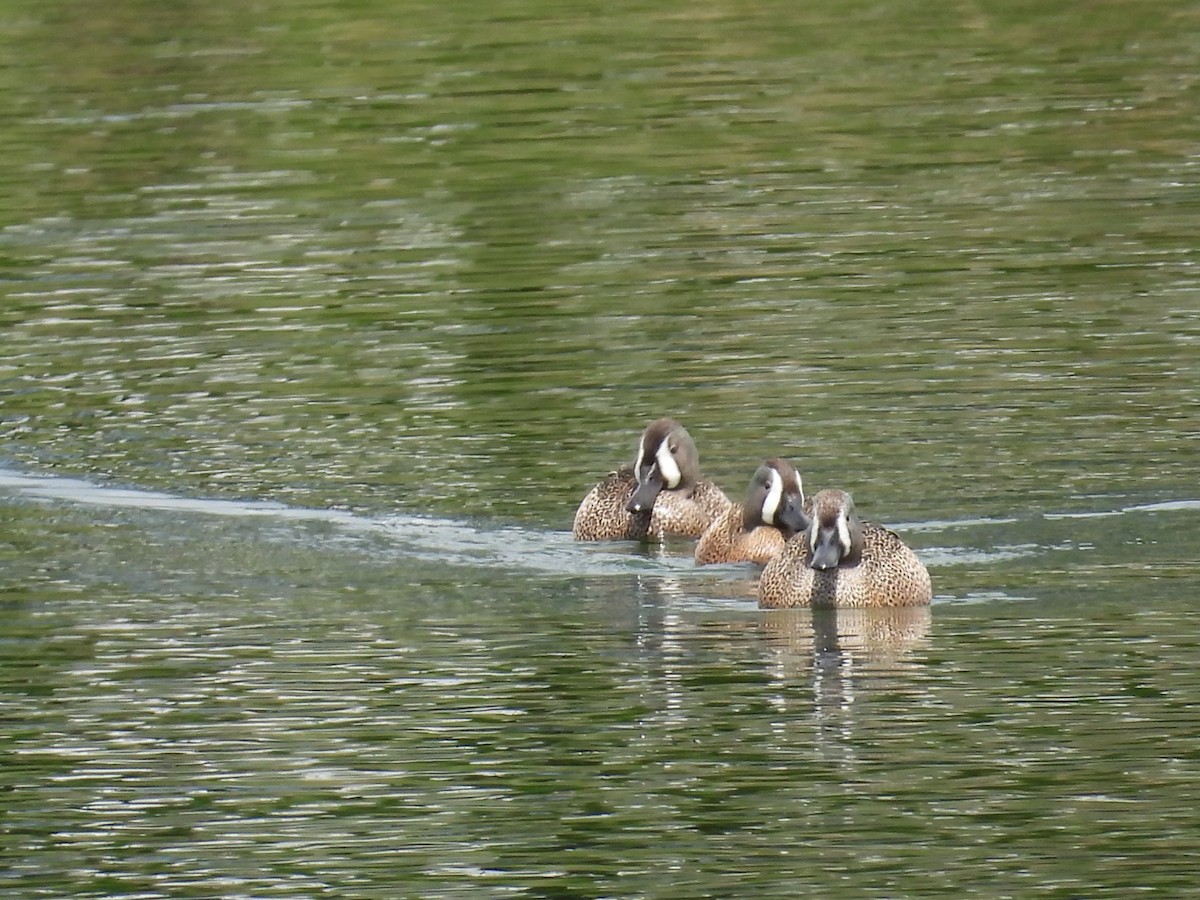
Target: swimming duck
842,561
663,494
755,531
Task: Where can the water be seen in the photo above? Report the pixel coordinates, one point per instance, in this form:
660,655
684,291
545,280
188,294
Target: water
318,324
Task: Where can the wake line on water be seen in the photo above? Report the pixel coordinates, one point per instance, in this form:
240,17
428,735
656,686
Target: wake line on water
464,543
1164,506
425,538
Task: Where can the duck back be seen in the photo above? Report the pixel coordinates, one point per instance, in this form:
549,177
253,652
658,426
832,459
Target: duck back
726,540
602,516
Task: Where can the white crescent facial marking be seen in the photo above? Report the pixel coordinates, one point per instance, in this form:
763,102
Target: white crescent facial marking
667,467
774,497
843,530
639,460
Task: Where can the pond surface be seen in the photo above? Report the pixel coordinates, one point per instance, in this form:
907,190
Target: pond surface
319,322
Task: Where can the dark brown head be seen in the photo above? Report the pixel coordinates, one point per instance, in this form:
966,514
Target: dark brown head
835,533
776,497
666,459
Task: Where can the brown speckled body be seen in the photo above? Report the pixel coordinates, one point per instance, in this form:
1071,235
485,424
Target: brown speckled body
881,570
728,541
602,515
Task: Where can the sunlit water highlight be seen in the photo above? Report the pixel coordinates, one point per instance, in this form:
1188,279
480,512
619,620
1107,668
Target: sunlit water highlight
308,700
318,321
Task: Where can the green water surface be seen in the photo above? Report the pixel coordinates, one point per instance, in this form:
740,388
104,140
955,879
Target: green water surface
319,319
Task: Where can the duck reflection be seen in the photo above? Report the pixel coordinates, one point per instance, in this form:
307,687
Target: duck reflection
843,653
876,639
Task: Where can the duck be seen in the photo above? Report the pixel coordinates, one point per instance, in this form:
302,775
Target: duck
662,495
756,530
841,561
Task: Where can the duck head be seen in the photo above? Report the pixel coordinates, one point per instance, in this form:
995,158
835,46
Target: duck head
835,532
666,459
776,497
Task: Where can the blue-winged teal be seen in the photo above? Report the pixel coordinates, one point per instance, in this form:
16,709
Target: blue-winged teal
662,494
843,561
755,531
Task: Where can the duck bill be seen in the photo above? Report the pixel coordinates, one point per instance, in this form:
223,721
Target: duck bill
792,517
647,491
827,550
